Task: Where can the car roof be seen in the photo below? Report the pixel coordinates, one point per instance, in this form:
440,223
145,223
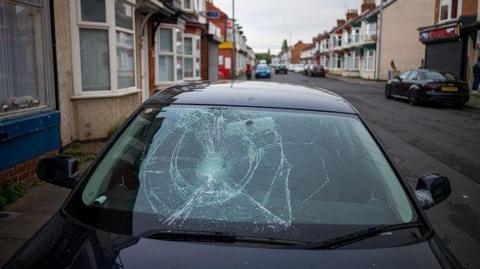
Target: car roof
253,94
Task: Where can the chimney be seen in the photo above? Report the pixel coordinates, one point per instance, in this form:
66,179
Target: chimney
368,5
352,14
340,23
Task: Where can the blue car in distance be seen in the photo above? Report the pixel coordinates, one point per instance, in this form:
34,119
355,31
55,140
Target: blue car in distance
263,71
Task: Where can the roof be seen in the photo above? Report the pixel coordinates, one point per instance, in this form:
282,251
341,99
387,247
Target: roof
254,94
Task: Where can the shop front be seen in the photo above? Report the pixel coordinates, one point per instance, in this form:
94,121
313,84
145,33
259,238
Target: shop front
449,47
444,49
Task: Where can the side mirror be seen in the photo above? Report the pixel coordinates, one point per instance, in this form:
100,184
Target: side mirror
59,170
399,78
432,189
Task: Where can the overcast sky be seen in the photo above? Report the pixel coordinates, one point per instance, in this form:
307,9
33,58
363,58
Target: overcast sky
267,22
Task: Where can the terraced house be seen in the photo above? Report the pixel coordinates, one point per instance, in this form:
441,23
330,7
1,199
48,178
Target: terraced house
349,49
73,70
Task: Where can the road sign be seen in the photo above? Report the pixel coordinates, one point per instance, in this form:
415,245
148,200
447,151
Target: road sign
213,14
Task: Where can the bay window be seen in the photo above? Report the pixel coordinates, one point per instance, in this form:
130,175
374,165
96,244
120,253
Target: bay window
170,54
103,43
449,9
369,60
192,57
187,4
26,69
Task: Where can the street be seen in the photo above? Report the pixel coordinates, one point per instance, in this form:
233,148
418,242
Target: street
421,140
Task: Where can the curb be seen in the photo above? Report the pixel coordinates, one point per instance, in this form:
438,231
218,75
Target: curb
358,81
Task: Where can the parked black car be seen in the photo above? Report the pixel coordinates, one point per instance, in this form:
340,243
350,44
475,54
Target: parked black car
428,86
281,68
249,175
316,70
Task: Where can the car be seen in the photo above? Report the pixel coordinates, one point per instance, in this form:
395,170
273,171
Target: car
247,174
306,69
291,68
281,68
263,71
316,70
422,85
299,68
262,62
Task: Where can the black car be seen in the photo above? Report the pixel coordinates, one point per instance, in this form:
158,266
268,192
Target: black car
315,70
418,86
281,68
254,175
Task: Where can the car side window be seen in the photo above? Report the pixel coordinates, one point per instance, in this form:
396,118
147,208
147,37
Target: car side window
413,75
404,75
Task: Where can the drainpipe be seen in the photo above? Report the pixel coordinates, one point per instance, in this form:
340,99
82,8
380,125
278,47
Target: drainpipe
379,42
234,56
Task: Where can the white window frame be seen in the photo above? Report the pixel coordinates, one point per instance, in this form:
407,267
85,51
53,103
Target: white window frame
367,59
450,6
192,3
195,55
174,53
76,24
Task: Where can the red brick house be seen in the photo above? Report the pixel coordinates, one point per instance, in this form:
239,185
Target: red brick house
451,41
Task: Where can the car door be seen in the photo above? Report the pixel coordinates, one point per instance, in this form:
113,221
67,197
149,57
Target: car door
397,83
412,78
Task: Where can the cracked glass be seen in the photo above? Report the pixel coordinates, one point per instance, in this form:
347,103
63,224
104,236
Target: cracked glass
246,170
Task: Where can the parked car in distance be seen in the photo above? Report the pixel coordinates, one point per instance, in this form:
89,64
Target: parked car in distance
291,68
316,70
263,71
207,175
262,62
418,86
306,69
299,68
281,68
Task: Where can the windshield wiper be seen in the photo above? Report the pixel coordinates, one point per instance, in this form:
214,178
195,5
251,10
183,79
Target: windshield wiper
200,236
361,235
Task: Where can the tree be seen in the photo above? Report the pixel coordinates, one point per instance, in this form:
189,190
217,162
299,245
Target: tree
285,46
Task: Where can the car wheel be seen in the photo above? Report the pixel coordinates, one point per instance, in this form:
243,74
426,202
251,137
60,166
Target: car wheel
413,98
388,93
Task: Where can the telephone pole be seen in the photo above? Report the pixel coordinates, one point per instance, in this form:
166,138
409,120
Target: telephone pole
379,42
234,56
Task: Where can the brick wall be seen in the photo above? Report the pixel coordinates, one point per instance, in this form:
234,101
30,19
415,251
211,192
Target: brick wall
204,58
24,172
469,8
297,51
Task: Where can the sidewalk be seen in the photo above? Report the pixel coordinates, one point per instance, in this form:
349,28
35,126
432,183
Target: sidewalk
474,102
32,211
358,81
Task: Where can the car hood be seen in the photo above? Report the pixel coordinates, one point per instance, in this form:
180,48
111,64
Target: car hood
61,243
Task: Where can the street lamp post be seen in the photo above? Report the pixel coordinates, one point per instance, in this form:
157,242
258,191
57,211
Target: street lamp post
379,42
234,56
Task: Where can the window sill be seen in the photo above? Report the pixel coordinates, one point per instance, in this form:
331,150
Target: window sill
93,95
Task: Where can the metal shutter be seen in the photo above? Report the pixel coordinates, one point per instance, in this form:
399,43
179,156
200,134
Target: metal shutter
212,61
445,57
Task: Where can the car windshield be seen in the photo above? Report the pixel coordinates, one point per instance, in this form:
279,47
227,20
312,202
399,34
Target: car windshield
248,171
262,67
431,75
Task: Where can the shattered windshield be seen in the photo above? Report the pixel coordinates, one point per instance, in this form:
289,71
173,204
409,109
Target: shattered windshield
200,168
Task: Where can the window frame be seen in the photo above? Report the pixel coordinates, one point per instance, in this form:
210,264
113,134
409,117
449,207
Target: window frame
110,26
367,61
47,56
191,9
174,53
450,9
